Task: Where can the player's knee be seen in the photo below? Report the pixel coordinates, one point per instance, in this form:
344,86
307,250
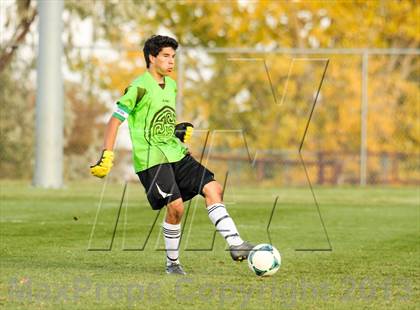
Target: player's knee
176,208
218,190
213,190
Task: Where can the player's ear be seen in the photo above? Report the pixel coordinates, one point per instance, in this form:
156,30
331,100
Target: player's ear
152,59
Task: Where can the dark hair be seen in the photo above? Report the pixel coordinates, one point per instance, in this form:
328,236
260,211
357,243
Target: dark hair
155,44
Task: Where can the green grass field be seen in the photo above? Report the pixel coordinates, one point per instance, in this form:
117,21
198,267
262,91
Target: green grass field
45,262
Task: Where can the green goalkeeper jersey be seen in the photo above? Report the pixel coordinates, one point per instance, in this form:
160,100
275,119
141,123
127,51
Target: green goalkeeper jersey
150,111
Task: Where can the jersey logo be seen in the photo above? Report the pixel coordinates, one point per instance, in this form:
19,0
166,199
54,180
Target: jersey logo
162,126
162,193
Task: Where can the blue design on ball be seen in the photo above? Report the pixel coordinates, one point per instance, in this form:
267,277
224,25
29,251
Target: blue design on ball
275,264
258,272
266,247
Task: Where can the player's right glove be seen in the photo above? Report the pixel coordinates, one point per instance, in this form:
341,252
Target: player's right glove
104,164
184,131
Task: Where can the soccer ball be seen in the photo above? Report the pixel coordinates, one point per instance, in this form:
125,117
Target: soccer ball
264,260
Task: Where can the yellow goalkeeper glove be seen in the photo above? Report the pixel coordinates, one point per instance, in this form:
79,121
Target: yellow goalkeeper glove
184,131
104,164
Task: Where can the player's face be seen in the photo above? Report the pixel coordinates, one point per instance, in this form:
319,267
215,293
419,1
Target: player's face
164,62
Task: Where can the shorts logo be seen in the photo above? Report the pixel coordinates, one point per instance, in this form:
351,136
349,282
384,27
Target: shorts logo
162,193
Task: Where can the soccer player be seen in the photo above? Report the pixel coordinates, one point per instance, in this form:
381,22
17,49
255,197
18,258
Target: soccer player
169,174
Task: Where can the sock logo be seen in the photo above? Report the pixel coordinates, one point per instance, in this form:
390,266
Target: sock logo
162,193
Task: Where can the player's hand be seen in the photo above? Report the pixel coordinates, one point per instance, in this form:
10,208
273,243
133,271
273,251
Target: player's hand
104,164
184,131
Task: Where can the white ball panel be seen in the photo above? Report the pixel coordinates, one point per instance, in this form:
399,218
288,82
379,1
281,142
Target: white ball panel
263,260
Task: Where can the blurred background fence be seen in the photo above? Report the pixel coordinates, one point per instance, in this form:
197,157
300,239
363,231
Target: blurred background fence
365,127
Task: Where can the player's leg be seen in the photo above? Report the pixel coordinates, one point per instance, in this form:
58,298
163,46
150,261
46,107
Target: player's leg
213,194
175,210
192,179
218,214
172,234
162,190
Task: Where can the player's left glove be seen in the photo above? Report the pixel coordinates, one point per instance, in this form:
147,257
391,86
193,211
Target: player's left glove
104,164
184,131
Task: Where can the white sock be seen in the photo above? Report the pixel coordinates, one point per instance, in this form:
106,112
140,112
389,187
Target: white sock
172,235
224,223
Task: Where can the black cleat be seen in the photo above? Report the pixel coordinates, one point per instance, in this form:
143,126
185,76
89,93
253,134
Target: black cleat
175,269
240,252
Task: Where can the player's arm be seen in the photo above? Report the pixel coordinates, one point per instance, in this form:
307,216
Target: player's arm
105,162
122,110
111,133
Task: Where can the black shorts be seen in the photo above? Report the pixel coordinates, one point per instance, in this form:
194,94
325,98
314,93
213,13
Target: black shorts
167,182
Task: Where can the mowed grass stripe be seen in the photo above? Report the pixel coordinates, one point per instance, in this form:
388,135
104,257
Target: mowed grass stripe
374,263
